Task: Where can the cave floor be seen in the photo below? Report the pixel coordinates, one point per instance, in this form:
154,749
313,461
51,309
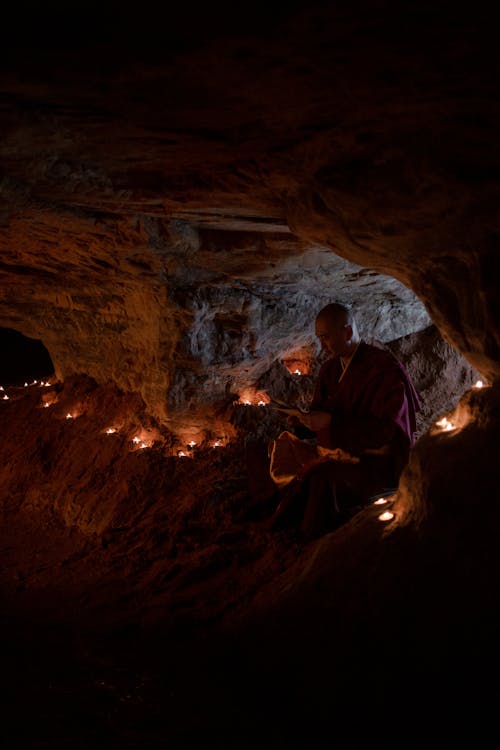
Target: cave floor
148,607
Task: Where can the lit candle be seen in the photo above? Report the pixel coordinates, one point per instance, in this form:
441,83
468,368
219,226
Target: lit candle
380,501
1,388
26,385
136,440
42,382
181,454
46,406
69,416
216,444
386,516
5,398
297,372
445,424
110,430
262,403
192,443
143,445
478,384
247,403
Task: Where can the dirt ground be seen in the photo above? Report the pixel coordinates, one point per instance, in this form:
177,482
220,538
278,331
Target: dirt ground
145,605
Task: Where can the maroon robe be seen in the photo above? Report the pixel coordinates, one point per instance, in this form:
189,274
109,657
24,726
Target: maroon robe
373,410
373,406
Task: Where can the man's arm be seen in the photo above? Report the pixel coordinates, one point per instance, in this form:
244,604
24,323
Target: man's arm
382,423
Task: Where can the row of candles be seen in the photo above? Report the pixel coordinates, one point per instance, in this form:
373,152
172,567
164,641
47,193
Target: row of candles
136,440
443,424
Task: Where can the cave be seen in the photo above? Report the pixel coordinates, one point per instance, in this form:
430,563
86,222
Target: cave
181,191
23,359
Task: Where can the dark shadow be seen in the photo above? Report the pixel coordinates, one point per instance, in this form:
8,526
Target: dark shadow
22,359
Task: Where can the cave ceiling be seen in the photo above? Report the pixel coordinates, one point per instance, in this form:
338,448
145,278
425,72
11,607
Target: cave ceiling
181,192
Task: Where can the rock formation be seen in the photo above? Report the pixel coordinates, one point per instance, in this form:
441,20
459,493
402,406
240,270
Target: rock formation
179,195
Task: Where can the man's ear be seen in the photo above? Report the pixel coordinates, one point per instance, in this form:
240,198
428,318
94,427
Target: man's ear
348,332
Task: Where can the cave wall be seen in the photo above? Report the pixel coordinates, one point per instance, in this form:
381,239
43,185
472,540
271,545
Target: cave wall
147,192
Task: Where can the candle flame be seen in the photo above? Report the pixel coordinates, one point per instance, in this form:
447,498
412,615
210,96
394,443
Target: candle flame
136,440
217,444
297,372
47,384
380,501
181,454
261,403
143,445
478,384
46,406
445,424
386,516
5,398
69,416
192,443
110,430
1,388
26,385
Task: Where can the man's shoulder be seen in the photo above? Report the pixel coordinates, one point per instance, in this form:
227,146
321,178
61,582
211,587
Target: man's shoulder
376,355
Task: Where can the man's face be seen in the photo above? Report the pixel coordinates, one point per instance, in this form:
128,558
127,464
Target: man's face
333,336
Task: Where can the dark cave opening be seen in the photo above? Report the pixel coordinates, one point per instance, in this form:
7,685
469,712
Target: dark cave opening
23,359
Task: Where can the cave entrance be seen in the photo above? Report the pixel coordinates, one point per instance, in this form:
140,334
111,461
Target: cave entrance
23,358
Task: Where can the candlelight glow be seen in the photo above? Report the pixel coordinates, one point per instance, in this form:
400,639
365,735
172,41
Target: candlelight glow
1,388
46,406
297,372
181,454
192,443
47,384
110,431
5,398
42,382
380,501
478,384
143,445
69,416
386,516
251,397
217,444
445,424
136,440
26,385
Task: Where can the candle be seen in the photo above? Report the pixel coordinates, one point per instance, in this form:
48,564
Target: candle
445,424
110,430
478,384
387,516
380,501
69,416
136,440
5,398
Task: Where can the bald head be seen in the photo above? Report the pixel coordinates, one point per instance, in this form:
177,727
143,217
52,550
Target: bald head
336,329
336,314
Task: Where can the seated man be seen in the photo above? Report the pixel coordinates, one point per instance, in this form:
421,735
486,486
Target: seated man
363,416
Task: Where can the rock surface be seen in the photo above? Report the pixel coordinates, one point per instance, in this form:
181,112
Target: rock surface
134,206
176,199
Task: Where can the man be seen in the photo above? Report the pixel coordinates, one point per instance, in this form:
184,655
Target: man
363,411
